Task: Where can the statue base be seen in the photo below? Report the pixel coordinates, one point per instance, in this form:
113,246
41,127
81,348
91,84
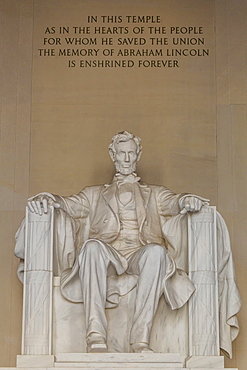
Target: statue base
83,361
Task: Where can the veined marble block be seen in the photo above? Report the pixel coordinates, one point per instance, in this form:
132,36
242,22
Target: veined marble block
31,361
135,360
168,361
202,265
216,362
38,281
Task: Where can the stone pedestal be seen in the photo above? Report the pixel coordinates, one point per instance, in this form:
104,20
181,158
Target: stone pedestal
83,361
119,360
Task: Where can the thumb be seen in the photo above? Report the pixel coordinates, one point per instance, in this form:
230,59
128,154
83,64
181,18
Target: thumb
183,211
56,205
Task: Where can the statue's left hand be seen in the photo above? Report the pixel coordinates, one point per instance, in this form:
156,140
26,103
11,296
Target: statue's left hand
193,203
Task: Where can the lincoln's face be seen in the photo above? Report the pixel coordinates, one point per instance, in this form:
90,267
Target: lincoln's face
125,157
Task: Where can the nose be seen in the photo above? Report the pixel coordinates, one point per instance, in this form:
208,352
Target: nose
126,157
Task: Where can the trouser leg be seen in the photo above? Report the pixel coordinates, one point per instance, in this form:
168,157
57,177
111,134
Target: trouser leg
150,261
93,275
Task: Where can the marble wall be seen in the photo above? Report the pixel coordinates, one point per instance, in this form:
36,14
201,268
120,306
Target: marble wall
56,122
231,143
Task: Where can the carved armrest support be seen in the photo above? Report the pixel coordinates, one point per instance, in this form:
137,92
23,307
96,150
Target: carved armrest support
38,282
202,267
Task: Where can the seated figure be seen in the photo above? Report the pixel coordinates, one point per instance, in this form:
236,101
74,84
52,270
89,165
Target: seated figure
118,228
125,234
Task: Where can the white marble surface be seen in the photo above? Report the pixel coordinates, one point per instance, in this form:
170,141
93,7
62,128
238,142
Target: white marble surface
38,281
68,323
172,358
29,361
120,366
129,216
216,362
171,361
135,360
69,318
203,272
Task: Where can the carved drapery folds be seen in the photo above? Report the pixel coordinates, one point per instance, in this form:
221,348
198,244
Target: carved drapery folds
212,308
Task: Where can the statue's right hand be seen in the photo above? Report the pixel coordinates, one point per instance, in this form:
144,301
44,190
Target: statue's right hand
39,203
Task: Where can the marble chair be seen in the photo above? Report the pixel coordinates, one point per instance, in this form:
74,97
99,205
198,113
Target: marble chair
53,325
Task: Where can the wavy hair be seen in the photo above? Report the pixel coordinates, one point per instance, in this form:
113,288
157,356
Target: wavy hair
124,136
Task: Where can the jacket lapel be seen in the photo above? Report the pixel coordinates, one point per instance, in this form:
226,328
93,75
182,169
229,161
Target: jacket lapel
145,193
109,195
142,196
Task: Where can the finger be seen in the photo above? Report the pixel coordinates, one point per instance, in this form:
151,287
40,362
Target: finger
39,207
204,200
192,204
45,205
198,204
29,204
56,205
187,205
34,206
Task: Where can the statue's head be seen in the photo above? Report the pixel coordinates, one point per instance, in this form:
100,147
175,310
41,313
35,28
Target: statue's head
125,150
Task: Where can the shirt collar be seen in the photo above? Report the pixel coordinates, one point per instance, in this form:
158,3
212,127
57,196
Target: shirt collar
129,179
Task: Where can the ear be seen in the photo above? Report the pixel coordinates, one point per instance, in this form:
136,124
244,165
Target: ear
139,155
112,155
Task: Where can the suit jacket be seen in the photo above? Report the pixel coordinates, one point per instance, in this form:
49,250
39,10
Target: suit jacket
93,213
97,209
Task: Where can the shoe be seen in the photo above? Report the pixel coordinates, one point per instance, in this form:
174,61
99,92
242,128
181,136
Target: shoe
96,344
97,348
141,348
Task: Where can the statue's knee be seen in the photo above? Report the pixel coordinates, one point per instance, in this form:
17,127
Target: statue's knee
91,248
156,251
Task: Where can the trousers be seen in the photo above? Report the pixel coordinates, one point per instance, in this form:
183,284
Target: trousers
149,263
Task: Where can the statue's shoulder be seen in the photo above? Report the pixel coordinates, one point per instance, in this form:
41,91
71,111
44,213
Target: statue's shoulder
93,189
158,191
91,193
155,188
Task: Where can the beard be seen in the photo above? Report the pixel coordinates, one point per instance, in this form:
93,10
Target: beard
125,170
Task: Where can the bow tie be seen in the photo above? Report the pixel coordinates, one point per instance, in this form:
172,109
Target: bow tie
130,179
